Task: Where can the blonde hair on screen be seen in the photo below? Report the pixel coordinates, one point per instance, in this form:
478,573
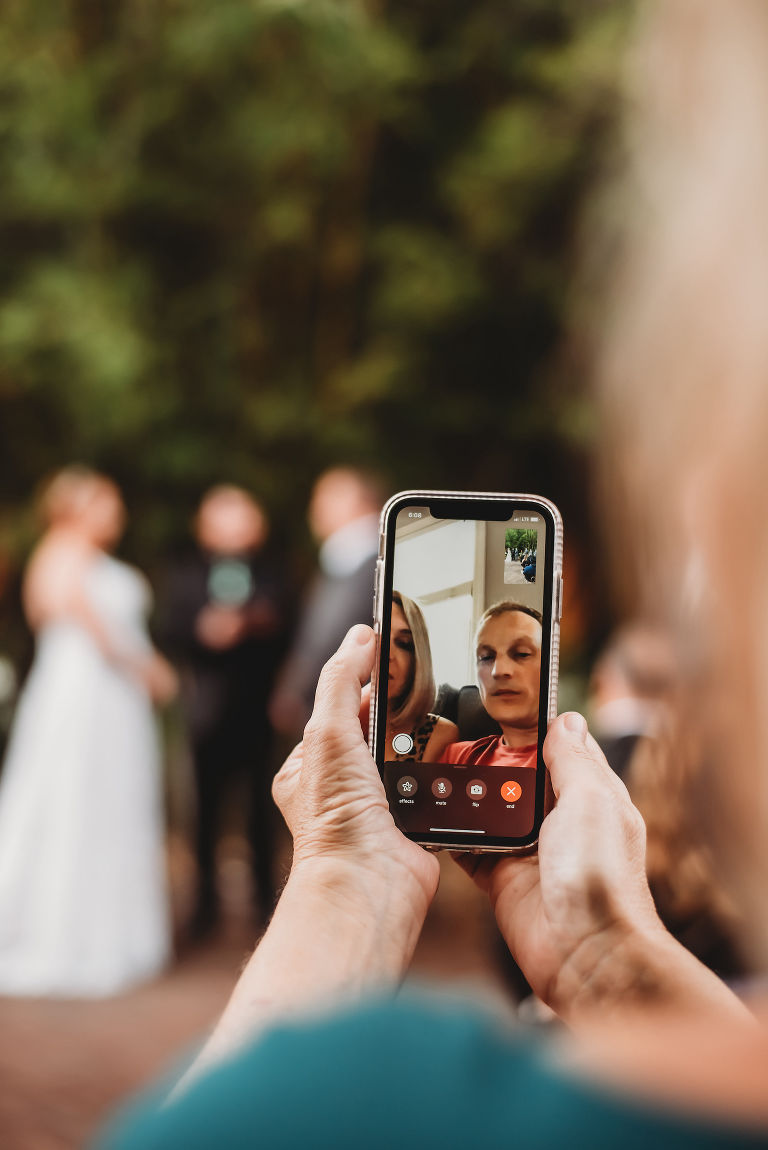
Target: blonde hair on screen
419,696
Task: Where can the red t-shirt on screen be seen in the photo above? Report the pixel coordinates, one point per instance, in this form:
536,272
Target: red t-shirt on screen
489,752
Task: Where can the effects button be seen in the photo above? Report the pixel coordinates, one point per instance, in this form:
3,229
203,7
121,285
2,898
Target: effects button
407,786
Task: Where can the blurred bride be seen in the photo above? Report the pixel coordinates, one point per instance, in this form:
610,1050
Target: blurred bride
83,901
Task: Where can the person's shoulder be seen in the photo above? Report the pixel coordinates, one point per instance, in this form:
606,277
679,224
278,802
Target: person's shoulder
442,735
464,752
389,1071
58,565
57,547
446,728
454,752
415,1072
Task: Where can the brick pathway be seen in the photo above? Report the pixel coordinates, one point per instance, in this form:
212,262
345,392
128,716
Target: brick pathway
65,1066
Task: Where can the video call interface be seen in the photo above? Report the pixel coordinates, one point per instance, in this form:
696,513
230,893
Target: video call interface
464,673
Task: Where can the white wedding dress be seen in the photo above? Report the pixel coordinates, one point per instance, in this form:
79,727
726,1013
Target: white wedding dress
83,899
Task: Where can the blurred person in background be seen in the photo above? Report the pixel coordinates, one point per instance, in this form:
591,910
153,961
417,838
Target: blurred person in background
658,1050
632,702
630,690
669,789
83,901
9,670
226,618
343,517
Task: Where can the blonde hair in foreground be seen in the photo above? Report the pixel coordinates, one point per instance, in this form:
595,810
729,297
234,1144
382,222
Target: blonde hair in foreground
683,386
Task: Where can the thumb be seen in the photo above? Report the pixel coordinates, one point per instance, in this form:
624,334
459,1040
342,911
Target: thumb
573,757
337,699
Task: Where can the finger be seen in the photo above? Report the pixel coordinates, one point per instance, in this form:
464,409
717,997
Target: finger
292,764
337,700
285,783
573,757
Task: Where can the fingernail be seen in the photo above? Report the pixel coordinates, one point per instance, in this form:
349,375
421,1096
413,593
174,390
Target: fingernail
576,724
358,634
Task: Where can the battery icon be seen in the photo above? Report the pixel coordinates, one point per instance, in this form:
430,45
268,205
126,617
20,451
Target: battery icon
534,519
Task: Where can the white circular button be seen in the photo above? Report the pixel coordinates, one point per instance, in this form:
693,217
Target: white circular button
402,744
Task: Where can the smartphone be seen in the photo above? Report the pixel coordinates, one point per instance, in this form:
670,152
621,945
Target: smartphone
467,615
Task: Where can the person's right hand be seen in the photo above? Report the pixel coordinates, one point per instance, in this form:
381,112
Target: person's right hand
580,908
351,912
160,679
332,797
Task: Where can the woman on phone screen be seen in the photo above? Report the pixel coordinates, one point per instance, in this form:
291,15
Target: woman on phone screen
411,691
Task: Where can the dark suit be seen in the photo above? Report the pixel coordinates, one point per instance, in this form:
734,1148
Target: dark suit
333,604
224,695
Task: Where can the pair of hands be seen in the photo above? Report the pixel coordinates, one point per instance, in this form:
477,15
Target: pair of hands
581,899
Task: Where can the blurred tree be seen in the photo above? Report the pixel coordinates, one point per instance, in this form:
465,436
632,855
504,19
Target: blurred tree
244,239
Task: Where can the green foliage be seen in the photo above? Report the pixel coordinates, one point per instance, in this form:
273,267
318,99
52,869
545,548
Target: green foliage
524,540
243,239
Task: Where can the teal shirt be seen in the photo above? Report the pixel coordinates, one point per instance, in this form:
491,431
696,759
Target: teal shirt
410,1075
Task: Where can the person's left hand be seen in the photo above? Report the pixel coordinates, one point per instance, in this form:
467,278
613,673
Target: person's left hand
574,910
330,792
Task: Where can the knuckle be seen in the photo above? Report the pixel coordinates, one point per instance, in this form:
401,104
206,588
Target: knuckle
592,795
585,754
284,782
311,731
578,764
574,751
332,673
323,741
635,824
282,786
279,789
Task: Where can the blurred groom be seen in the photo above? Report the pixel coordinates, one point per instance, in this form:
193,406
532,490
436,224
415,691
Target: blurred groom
343,517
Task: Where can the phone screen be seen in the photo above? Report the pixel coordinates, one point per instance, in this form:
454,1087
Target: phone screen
465,669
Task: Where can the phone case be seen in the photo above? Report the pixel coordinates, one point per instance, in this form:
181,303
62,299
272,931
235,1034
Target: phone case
555,615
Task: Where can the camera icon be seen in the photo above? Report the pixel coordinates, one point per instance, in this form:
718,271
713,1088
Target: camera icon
476,789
